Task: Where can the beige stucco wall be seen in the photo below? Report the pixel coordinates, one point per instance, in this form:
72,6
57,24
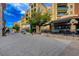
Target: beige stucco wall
54,11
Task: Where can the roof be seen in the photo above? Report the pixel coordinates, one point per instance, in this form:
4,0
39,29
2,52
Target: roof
66,19
47,23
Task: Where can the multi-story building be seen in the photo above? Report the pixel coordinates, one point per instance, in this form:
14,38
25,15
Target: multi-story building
61,10
35,7
49,11
66,16
0,12
0,17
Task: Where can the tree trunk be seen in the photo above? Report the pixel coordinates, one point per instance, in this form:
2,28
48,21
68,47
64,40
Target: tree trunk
37,29
40,29
31,30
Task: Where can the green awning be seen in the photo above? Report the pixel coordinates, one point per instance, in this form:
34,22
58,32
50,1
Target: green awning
61,20
47,23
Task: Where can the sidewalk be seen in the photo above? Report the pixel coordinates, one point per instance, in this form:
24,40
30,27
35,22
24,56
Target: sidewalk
62,36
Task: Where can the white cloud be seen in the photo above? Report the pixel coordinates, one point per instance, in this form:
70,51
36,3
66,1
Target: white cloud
22,12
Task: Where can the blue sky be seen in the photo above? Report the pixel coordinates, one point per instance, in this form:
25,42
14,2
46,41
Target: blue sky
48,4
14,12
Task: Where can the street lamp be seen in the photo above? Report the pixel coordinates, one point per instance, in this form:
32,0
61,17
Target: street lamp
3,21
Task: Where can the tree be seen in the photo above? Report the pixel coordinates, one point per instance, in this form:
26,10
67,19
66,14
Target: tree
16,27
38,19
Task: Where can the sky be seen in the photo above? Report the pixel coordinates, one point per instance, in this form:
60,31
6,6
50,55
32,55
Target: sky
48,4
14,11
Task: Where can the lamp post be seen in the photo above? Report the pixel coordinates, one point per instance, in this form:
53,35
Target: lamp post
3,21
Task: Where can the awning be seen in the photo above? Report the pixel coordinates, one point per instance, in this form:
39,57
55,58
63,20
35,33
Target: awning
66,19
47,23
62,20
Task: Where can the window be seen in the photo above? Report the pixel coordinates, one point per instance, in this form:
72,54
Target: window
61,14
31,6
31,10
34,9
26,14
34,4
70,6
49,11
62,5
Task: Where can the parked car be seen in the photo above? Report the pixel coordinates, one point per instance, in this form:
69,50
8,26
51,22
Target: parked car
23,31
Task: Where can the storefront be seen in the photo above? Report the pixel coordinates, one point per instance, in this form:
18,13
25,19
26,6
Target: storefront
66,25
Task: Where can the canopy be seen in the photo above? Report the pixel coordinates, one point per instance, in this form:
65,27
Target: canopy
62,20
66,19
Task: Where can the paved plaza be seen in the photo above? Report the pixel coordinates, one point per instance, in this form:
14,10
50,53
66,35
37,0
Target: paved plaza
36,45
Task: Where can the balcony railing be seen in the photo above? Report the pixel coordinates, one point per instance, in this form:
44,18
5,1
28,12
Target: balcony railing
62,14
62,4
62,8
62,11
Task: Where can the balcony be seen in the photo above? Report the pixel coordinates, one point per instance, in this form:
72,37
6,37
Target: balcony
62,11
61,14
62,4
62,8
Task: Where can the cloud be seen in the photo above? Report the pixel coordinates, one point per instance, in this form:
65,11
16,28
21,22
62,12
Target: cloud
14,12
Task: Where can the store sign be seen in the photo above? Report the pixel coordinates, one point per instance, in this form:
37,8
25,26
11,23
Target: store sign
73,21
73,27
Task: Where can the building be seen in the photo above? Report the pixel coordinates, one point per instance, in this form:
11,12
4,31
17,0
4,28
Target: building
65,16
49,11
33,7
37,7
0,17
0,12
61,10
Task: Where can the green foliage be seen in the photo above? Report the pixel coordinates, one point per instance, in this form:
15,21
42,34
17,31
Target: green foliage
16,27
38,18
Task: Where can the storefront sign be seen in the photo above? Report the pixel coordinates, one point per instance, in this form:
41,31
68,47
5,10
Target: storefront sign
73,27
